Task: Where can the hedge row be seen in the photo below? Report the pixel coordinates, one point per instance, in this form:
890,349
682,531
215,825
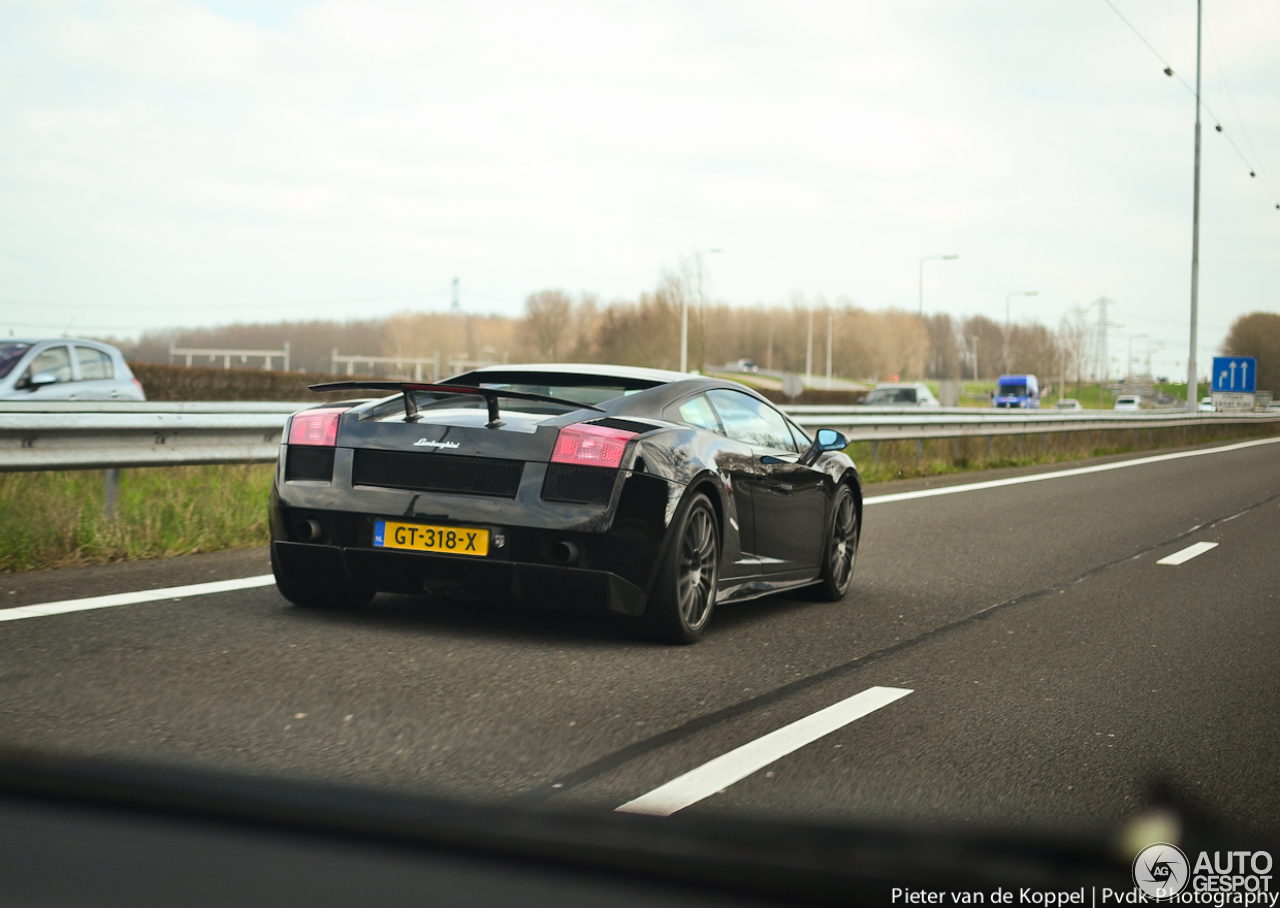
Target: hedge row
165,382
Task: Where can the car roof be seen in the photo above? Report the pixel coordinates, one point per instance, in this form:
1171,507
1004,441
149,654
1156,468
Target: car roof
604,370
54,340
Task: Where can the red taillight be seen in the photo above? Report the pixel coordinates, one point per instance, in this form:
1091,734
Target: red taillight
315,427
591,446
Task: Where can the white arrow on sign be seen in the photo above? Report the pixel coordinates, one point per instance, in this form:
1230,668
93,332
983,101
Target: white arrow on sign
1233,373
1244,371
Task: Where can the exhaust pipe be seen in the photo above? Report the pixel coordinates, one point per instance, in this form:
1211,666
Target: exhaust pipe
564,552
310,530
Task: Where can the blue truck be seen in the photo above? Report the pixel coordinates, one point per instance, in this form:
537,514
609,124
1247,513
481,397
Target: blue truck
1021,391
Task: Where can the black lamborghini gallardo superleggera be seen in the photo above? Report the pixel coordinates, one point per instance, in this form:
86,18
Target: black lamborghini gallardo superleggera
651,494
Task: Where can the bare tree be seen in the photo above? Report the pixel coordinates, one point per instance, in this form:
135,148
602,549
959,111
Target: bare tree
1075,341
984,341
548,316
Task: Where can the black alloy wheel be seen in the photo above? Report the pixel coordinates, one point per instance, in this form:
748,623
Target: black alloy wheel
684,594
841,552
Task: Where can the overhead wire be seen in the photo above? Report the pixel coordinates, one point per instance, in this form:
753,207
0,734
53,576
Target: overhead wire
1239,119
1254,169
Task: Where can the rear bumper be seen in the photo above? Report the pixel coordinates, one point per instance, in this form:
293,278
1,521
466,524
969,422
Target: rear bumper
550,586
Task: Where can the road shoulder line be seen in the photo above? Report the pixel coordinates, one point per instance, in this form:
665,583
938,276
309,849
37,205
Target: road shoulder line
1061,474
42,609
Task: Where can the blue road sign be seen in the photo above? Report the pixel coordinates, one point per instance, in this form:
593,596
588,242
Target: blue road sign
1235,373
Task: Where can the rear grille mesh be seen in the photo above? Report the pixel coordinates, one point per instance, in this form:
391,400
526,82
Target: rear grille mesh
437,473
581,485
309,462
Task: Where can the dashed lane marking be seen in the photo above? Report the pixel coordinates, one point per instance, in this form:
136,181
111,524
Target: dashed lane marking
172,592
741,762
1061,474
1188,553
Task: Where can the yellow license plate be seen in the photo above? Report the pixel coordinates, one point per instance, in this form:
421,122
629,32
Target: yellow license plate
426,538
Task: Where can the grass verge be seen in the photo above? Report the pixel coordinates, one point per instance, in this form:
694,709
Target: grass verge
56,519
939,457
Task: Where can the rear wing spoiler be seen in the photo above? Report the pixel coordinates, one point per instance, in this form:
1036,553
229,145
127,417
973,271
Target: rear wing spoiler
490,395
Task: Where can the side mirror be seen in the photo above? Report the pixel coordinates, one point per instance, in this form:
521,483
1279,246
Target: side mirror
40,379
827,440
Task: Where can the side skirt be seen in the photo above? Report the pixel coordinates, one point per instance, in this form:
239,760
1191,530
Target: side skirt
755,588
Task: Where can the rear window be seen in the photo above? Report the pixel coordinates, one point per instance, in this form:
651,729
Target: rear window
94,364
9,356
884,396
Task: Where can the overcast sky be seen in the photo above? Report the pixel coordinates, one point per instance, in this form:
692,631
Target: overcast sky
185,163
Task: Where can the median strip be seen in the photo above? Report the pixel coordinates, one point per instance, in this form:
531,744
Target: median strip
1188,553
737,764
1061,474
116,599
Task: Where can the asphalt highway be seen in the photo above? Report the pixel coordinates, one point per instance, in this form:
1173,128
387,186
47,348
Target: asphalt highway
1055,670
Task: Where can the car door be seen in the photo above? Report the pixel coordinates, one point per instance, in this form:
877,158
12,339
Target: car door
54,359
97,374
788,498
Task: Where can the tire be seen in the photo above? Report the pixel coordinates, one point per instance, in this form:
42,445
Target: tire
840,548
336,597
684,593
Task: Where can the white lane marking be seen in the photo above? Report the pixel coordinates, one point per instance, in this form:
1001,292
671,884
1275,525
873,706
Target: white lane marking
1060,474
737,764
172,592
1188,553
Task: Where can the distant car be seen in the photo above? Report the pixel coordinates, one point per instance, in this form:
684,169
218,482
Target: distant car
1020,391
1206,405
65,369
1068,403
746,365
901,394
1128,402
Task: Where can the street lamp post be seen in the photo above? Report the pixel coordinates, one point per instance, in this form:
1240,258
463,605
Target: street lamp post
927,258
1192,386
831,320
1128,366
808,356
1007,299
684,306
1152,347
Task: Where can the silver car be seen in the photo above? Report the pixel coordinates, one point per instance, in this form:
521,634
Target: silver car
65,369
900,394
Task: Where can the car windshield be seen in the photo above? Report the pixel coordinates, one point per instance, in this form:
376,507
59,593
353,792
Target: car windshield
1011,391
10,354
884,396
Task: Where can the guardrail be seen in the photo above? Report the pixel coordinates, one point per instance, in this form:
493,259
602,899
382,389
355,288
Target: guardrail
89,435
901,424
109,435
